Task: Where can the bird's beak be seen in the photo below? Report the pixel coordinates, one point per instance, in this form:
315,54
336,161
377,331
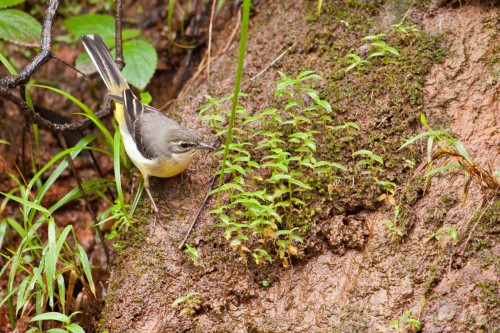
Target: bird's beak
202,145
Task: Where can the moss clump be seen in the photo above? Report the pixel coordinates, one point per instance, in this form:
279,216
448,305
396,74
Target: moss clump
489,294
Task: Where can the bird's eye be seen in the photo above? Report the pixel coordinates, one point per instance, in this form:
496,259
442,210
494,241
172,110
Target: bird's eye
185,145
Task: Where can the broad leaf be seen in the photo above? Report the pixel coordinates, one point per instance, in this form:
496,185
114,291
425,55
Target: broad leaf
51,316
140,62
9,3
99,24
19,28
103,25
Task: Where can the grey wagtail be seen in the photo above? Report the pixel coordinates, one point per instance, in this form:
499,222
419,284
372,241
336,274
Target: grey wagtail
156,144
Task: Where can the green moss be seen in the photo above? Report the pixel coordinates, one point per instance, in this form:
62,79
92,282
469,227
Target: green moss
490,219
489,294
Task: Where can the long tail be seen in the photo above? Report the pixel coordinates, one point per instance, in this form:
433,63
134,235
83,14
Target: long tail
105,64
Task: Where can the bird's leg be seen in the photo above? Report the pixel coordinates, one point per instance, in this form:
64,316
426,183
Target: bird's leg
157,212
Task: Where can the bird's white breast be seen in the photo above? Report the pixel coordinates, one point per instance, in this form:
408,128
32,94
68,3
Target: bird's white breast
162,167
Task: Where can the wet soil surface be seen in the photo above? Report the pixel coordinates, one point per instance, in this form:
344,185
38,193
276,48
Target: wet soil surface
351,274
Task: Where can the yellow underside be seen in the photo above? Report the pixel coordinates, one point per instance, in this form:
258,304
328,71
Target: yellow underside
119,113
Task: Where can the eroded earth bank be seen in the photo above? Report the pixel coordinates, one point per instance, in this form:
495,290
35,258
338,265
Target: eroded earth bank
359,266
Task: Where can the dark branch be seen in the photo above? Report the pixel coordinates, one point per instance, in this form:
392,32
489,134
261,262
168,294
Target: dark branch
118,35
45,50
38,119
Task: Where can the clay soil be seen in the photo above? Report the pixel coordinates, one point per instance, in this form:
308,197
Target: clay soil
350,274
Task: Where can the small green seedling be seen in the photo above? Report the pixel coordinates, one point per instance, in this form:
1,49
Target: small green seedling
382,48
404,29
394,231
389,188
355,61
190,301
372,158
193,254
406,321
267,282
445,233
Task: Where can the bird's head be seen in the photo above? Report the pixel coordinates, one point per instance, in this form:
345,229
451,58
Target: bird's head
184,143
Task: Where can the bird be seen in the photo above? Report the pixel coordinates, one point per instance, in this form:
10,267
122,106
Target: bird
157,145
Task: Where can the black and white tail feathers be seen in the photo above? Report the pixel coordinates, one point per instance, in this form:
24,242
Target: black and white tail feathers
107,68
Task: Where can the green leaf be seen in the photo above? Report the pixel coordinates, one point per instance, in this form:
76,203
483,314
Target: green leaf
74,328
22,293
9,3
140,62
61,288
55,330
19,28
145,97
338,166
395,323
16,226
178,301
25,202
103,25
12,71
443,168
377,158
51,257
431,133
235,243
423,120
57,316
73,99
461,149
74,151
84,260
430,143
376,54
36,330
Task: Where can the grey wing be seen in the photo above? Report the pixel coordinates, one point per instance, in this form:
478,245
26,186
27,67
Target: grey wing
146,124
134,112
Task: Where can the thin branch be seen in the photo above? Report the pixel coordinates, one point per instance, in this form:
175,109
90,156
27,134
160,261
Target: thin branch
200,208
45,50
272,63
202,65
104,111
118,35
210,28
70,66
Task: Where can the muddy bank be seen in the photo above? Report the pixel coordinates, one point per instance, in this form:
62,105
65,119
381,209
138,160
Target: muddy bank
350,274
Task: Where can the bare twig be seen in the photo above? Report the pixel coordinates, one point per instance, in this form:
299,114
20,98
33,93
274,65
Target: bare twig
202,65
197,216
118,34
27,72
45,50
38,119
210,28
70,66
271,64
